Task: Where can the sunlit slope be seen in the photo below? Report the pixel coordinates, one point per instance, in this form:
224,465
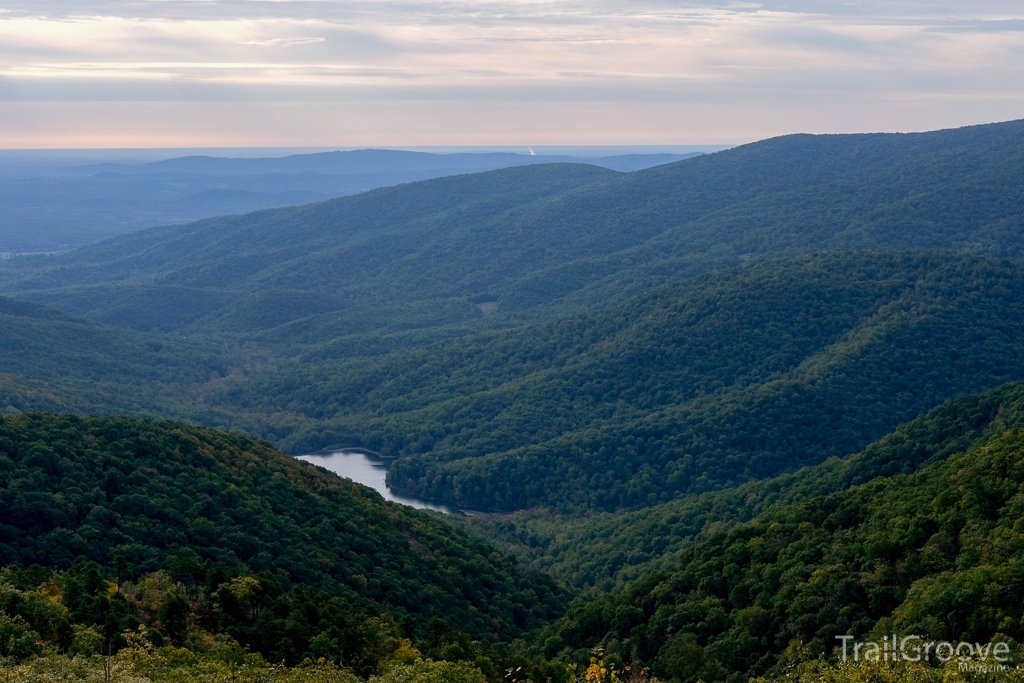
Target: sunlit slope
541,240
729,377
936,553
99,489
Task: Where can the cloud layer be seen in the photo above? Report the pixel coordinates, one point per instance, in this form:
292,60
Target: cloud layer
308,72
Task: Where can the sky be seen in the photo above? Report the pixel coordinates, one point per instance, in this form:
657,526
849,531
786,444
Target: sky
317,73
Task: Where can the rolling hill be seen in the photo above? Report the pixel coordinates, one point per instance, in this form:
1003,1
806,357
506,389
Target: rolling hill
539,240
935,551
50,360
733,376
257,273
729,377
607,551
140,497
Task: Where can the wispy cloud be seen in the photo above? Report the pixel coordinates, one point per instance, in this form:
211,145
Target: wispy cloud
764,58
283,42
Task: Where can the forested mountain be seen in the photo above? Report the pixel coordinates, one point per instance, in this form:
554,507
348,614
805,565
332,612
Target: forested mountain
59,201
729,377
686,374
208,506
607,551
255,274
936,552
54,361
542,239
724,378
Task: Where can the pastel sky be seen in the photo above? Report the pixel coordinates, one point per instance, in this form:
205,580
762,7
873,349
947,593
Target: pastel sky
191,73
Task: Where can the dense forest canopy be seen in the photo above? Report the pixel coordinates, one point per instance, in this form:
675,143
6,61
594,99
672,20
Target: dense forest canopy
55,361
728,377
919,533
139,496
938,552
609,550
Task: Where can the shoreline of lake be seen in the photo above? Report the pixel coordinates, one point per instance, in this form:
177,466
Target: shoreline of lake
368,468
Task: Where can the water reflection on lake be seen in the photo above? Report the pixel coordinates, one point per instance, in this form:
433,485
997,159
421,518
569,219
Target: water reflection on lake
369,471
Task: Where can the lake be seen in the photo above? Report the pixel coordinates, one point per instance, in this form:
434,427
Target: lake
367,470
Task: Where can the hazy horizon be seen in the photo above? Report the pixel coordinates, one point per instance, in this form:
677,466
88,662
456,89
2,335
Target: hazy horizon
90,195
245,73
256,151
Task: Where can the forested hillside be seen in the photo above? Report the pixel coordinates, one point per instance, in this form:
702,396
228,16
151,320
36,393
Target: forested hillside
53,361
540,240
687,383
721,379
111,499
368,263
729,377
607,551
935,553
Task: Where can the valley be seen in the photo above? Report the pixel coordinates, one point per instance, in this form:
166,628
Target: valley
717,411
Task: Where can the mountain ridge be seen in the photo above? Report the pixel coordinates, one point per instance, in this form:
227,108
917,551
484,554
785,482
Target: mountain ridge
609,551
547,240
97,489
732,376
933,552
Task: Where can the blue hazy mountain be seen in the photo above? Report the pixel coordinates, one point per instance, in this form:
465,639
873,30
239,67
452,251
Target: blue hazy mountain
55,204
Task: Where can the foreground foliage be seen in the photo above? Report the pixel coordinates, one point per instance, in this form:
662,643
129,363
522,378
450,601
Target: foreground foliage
142,663
818,671
215,508
939,552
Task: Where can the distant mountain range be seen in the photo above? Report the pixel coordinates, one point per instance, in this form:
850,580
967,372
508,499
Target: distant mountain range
53,206
368,161
540,240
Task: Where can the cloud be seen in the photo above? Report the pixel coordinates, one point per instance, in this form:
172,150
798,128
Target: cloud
283,42
763,58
